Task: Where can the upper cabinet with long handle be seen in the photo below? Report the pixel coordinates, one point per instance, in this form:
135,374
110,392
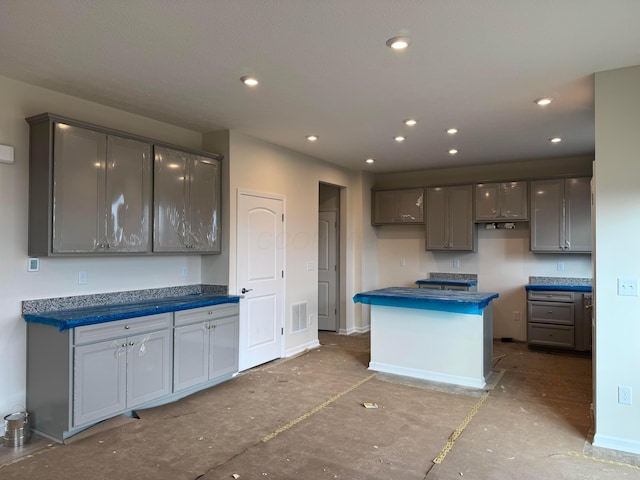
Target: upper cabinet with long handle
561,215
501,202
449,223
90,190
186,202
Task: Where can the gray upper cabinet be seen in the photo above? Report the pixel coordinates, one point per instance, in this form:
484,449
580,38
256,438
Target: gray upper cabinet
90,191
561,215
399,206
501,202
449,222
186,202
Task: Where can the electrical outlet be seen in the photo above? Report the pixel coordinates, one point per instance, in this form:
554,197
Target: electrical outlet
561,266
456,263
185,271
403,262
516,316
628,287
83,278
624,395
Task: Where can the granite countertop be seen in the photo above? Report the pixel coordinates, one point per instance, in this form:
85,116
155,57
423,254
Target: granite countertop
559,284
93,314
435,281
427,299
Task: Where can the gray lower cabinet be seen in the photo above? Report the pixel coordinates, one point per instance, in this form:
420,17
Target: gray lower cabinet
556,319
80,376
561,215
397,206
205,345
449,223
120,374
186,202
90,190
501,202
443,286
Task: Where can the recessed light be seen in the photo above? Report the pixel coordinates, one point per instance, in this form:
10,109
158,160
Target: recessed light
555,140
249,81
453,151
398,43
312,138
543,101
452,131
400,139
410,122
369,160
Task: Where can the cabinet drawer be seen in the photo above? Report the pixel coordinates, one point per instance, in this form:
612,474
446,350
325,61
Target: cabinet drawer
551,335
120,328
551,296
549,312
203,314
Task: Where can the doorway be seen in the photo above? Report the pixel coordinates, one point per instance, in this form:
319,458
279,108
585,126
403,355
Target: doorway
329,258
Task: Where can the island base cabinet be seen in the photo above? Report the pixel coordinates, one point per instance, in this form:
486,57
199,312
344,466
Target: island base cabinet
120,374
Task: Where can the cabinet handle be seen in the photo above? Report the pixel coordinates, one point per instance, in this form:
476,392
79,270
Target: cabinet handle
127,327
131,344
210,312
549,312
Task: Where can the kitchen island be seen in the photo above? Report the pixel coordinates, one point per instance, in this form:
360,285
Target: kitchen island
439,335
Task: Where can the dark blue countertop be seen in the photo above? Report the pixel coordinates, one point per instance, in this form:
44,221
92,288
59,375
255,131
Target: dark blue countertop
545,287
76,317
436,281
454,301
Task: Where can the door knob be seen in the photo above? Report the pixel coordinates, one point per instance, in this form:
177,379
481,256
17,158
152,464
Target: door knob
246,290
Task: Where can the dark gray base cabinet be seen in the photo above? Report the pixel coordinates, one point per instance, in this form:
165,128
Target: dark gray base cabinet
78,377
555,320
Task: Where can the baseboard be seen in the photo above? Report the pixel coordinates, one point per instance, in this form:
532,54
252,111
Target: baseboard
615,443
302,348
424,375
352,330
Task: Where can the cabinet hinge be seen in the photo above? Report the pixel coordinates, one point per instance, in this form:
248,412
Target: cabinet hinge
283,217
282,273
281,330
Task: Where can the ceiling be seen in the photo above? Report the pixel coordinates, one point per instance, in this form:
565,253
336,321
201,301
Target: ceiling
324,69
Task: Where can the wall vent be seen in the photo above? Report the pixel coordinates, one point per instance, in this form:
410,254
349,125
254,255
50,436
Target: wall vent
298,317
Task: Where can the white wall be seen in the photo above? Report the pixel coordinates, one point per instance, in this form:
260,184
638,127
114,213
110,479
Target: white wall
59,276
617,220
263,167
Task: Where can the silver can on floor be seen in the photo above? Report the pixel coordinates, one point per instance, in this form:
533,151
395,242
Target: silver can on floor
17,429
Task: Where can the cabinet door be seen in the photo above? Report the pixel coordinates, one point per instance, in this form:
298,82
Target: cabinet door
79,188
385,207
128,196
204,205
99,381
513,201
169,199
547,219
411,205
487,198
578,214
148,367
223,354
437,218
190,356
460,221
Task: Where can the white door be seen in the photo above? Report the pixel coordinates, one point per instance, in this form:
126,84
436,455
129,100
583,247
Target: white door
260,277
327,271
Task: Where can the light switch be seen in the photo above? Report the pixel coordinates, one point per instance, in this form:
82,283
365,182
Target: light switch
6,154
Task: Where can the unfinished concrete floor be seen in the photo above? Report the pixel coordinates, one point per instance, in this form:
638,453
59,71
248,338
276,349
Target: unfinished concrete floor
303,418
